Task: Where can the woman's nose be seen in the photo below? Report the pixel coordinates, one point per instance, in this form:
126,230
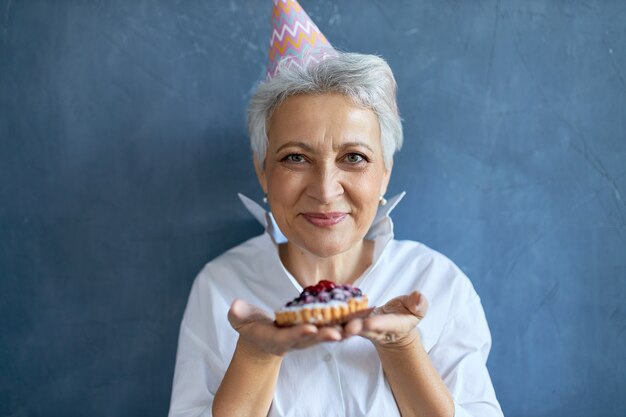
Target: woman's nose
325,186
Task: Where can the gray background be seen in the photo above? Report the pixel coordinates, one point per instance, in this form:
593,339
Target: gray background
122,148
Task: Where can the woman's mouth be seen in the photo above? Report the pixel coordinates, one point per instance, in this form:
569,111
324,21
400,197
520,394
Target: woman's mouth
325,219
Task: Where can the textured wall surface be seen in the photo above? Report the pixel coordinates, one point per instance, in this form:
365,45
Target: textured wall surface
123,145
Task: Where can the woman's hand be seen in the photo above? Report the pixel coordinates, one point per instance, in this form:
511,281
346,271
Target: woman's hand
261,338
393,325
416,385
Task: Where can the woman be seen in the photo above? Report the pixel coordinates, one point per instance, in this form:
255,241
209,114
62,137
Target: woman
323,139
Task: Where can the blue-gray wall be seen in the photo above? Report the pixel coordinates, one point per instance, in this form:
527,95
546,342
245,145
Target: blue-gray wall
122,148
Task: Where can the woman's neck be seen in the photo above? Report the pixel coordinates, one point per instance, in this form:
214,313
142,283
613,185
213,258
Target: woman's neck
342,268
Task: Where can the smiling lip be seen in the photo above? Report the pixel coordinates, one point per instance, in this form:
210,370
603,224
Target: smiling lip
325,219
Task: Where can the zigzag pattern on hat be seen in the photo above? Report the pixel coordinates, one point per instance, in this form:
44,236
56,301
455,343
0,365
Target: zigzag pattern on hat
292,47
307,28
295,38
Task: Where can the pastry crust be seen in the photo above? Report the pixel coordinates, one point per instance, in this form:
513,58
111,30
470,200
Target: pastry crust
321,316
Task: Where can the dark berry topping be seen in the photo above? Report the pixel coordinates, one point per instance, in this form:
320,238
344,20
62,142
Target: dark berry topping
324,292
323,297
327,285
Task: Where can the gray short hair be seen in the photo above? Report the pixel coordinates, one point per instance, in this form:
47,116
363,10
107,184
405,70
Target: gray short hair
366,79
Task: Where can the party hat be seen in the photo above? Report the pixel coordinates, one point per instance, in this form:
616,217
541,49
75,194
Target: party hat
295,38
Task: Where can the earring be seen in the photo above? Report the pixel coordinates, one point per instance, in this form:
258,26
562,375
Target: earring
265,198
382,200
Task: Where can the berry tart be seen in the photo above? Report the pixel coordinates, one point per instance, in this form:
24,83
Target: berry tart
325,303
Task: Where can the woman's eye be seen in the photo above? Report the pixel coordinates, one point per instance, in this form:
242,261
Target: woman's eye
294,158
354,158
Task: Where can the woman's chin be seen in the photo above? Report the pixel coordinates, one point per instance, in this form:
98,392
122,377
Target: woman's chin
324,248
324,242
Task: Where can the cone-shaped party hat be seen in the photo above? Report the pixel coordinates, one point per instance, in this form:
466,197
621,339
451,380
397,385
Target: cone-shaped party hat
295,38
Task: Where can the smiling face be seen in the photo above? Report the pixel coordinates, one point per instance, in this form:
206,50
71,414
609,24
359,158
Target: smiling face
324,172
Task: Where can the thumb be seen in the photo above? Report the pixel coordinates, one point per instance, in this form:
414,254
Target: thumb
239,313
417,304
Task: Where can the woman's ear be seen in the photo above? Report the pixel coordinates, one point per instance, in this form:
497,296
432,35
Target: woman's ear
260,173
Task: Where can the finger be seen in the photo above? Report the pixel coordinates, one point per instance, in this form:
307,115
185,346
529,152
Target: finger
329,334
360,314
324,334
390,323
287,338
305,330
371,335
397,305
263,328
378,311
294,334
238,313
352,328
417,304
244,310
304,342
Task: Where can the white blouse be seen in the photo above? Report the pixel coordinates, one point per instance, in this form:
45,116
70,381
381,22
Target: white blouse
336,378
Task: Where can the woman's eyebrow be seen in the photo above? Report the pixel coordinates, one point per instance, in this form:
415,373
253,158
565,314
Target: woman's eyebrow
352,144
295,144
307,147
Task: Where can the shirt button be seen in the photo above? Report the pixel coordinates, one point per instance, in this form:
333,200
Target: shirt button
327,357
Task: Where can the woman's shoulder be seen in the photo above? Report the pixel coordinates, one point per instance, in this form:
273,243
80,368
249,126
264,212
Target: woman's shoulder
242,256
434,274
414,248
241,272
449,291
418,254
231,265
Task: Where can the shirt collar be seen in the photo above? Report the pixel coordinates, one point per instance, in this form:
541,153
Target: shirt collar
380,230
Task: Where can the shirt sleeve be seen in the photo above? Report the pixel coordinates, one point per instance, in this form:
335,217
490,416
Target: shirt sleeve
197,365
460,356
